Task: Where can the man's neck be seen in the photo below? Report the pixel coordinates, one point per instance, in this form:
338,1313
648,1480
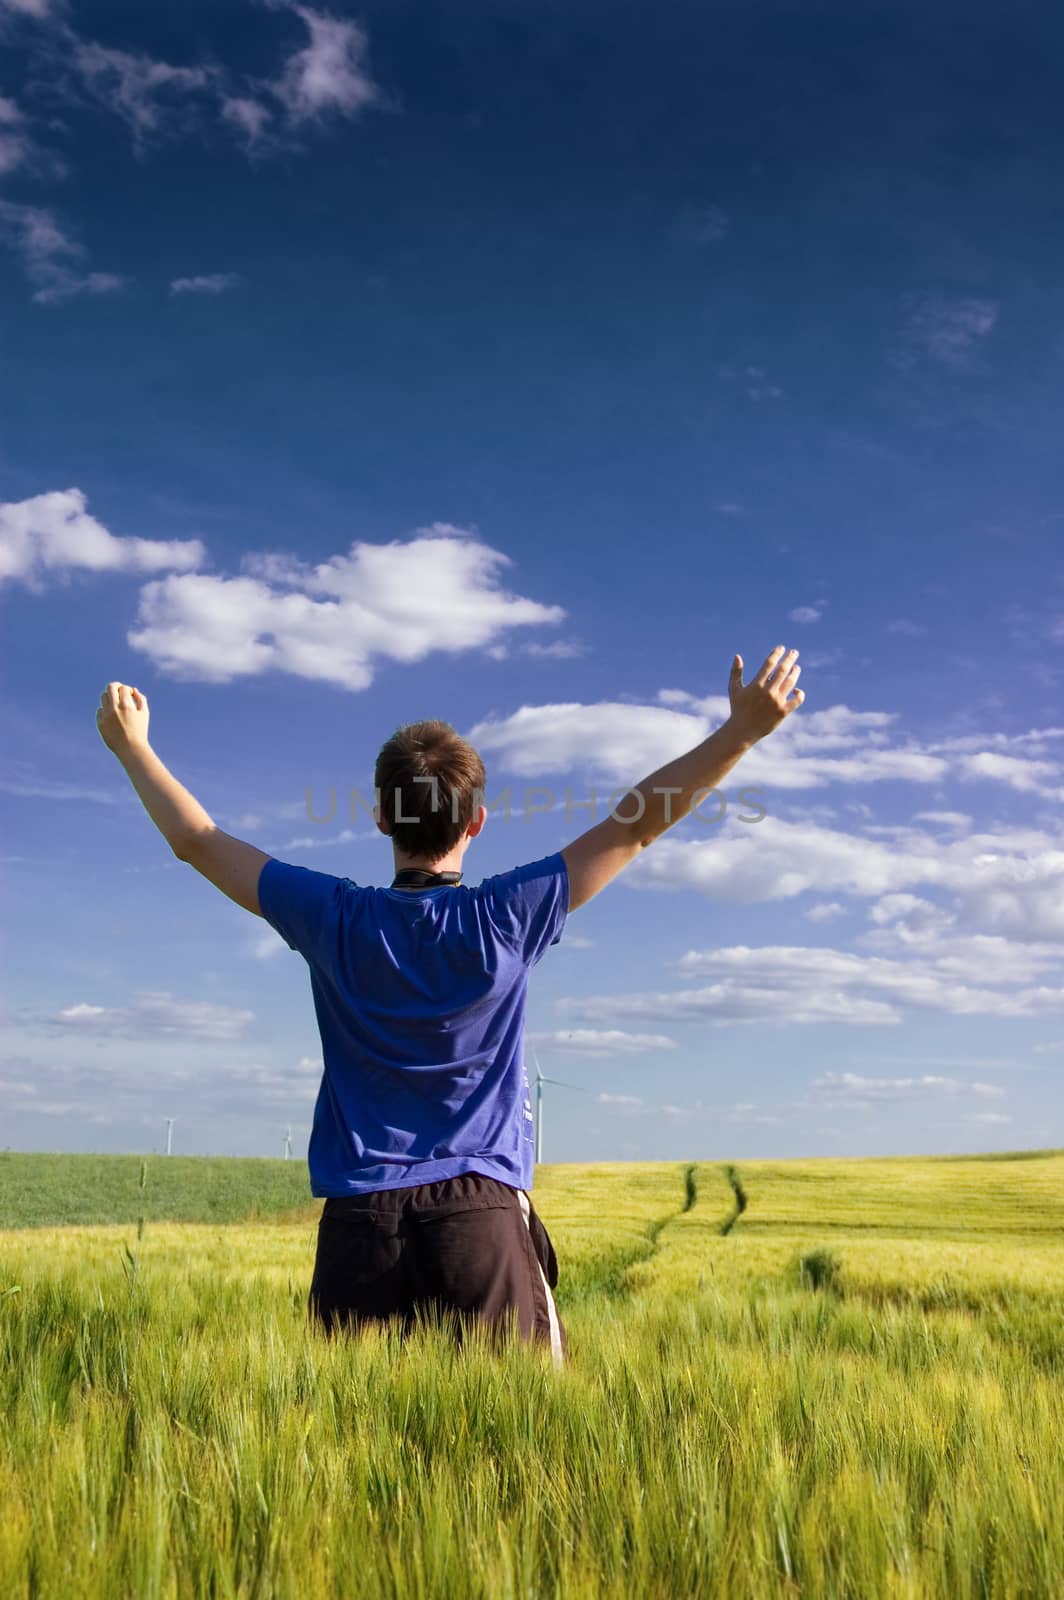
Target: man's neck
449,863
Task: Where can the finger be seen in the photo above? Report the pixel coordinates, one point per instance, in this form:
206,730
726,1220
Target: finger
138,699
737,671
768,664
782,668
787,684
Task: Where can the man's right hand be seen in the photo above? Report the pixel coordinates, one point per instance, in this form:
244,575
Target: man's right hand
760,706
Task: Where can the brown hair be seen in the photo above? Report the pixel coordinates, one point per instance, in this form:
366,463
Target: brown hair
443,803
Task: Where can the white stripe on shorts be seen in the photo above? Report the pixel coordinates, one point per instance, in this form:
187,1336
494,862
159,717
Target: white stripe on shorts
557,1355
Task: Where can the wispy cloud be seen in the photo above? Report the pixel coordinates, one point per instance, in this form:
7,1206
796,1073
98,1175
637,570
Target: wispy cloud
157,1015
325,78
152,97
906,626
16,146
601,1041
119,1088
979,975
808,613
557,650
50,258
52,535
38,9
851,1091
705,224
945,331
205,283
19,778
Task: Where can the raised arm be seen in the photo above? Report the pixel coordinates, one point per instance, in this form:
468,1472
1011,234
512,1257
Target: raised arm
230,864
668,794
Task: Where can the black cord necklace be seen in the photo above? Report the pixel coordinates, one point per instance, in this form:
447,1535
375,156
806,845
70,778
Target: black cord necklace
417,878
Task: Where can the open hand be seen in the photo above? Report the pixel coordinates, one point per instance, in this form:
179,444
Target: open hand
761,705
122,717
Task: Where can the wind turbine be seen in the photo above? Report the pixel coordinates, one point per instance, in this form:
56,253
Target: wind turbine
540,1080
169,1135
288,1143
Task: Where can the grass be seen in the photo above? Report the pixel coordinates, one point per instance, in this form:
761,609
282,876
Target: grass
734,1421
52,1190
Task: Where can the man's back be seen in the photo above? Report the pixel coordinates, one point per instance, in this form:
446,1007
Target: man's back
420,1000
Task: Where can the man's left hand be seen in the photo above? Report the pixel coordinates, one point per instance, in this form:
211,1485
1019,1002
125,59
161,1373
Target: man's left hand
122,717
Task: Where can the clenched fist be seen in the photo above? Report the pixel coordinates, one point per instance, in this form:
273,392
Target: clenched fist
122,717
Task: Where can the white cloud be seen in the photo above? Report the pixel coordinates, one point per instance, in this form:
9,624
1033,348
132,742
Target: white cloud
22,779
619,1099
988,1116
329,623
944,331
917,916
746,1111
825,911
798,984
49,256
266,946
53,533
618,743
122,1087
906,626
808,613
558,650
16,147
330,73
205,283
619,740
734,1000
1018,772
29,8
1010,881
948,819
158,1015
152,97
67,286
625,742
849,1090
248,115
961,975
326,76
602,1041
706,224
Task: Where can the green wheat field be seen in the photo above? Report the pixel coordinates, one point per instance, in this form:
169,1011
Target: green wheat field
831,1378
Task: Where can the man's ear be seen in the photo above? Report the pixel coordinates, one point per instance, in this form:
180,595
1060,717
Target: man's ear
478,822
382,822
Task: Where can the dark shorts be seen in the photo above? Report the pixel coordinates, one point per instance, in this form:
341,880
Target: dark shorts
470,1245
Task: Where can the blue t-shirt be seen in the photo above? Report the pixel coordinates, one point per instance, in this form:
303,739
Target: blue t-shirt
420,1000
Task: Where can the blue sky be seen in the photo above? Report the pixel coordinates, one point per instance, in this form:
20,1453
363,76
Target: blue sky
518,365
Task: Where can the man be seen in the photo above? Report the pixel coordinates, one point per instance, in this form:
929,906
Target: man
422,1141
